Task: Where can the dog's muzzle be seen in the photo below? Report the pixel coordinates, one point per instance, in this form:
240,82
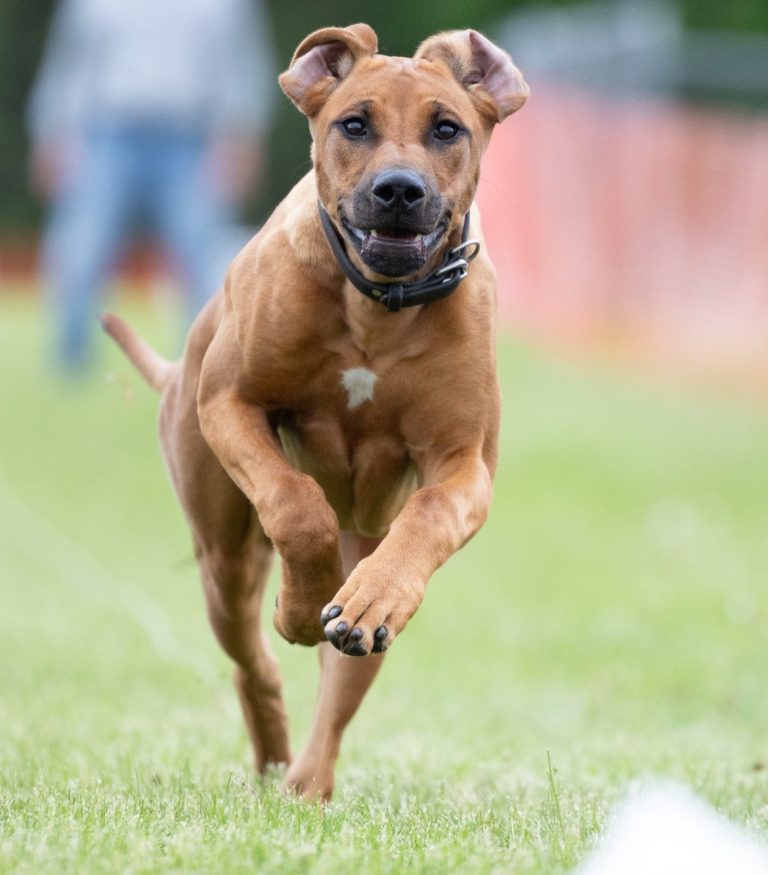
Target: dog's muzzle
395,221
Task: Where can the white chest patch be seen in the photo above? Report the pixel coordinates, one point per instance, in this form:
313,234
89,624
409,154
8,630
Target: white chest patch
359,384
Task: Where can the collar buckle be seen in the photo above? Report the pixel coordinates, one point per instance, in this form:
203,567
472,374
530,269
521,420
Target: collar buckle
465,244
394,298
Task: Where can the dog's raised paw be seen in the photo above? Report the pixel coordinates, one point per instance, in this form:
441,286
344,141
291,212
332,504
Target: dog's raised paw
363,627
370,609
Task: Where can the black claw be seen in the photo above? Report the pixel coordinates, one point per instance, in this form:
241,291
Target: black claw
330,614
356,634
336,636
379,637
331,635
355,649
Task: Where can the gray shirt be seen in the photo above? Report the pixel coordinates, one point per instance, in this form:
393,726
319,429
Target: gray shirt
202,63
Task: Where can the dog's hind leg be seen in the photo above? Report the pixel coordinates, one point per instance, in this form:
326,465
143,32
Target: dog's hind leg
233,581
344,681
234,556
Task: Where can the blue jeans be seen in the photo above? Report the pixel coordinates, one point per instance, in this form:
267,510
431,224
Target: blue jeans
130,172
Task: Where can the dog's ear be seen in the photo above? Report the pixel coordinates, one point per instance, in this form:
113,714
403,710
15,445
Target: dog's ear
322,60
495,84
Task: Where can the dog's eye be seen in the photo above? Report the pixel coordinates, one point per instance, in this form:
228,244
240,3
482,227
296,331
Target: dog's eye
355,127
446,131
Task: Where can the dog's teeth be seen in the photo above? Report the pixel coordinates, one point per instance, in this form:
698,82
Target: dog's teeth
410,238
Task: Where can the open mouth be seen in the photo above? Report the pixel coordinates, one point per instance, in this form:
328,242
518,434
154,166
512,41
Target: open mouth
396,235
394,252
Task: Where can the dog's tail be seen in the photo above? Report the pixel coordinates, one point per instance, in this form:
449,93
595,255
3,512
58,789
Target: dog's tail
149,363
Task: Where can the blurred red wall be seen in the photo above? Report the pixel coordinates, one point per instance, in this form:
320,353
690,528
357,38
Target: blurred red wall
640,224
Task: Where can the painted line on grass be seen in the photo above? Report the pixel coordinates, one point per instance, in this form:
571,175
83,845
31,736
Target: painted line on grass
69,562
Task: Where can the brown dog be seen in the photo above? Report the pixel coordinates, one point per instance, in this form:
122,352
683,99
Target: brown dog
358,442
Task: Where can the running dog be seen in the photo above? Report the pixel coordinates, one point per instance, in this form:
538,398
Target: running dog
337,400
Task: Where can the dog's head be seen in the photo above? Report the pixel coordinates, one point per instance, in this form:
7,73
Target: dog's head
398,141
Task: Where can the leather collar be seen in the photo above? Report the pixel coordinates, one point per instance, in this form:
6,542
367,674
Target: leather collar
437,284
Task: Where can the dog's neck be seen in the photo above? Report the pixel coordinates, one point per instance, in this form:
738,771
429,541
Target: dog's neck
373,331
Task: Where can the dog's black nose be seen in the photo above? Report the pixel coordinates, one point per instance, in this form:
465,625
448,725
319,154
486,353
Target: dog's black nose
398,189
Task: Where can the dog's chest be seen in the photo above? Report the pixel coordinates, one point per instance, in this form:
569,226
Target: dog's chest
359,384
347,437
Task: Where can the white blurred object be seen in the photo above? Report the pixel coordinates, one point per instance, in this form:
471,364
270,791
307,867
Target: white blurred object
666,830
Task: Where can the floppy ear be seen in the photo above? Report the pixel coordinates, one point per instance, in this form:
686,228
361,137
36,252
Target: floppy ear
322,60
495,84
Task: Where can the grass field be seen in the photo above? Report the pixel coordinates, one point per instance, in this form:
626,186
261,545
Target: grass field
611,618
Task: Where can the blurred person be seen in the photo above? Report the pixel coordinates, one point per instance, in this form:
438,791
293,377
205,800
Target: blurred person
151,110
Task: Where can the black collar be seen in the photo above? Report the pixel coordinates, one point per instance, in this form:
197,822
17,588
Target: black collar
435,285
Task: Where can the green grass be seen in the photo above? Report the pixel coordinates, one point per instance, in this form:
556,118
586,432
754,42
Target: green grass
610,619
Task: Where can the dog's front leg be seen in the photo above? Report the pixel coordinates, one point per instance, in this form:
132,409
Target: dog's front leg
292,508
385,589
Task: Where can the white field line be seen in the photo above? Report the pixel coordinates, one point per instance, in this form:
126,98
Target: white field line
62,558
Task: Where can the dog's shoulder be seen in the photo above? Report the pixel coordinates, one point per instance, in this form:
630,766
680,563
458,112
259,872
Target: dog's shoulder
296,221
